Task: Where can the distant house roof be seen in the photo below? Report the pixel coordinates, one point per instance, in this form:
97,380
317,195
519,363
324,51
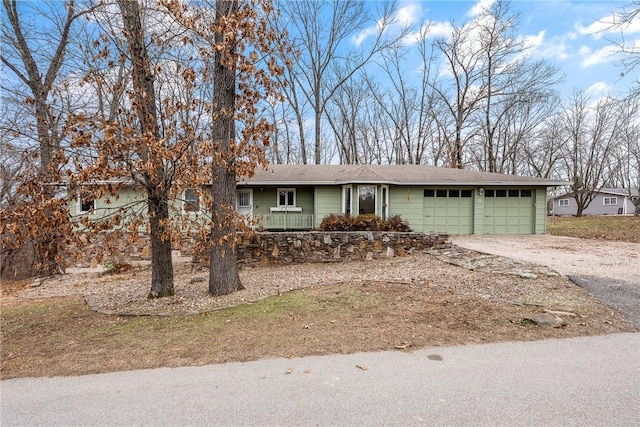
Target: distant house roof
613,191
386,174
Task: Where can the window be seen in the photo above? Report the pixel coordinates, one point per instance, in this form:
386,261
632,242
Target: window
465,193
243,199
525,193
286,197
191,200
501,193
441,193
563,202
86,204
454,193
489,193
346,199
514,193
366,199
610,201
429,193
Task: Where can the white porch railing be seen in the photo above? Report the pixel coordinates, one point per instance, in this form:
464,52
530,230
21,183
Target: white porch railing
285,221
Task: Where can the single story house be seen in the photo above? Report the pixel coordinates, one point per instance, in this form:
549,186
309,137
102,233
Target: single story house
607,201
455,201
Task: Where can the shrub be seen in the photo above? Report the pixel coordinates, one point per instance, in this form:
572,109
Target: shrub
334,222
366,222
395,223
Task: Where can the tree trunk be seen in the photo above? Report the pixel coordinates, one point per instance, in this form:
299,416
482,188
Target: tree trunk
161,263
223,276
156,178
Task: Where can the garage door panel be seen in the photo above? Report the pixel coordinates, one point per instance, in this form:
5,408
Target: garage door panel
509,215
446,211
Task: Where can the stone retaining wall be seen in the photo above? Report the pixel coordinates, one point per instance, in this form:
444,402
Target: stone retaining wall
279,248
286,248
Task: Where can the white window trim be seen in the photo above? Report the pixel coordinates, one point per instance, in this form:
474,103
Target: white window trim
185,201
79,205
563,203
286,207
384,207
613,199
344,205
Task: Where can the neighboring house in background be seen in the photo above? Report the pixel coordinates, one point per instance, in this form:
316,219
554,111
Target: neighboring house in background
607,201
455,201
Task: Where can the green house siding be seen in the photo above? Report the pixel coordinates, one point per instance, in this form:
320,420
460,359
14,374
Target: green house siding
407,202
425,208
328,201
540,211
108,205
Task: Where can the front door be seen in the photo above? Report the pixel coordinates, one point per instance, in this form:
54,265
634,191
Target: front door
244,202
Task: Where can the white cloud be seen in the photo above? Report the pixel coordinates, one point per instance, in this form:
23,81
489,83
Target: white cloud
479,7
440,29
600,56
595,29
409,14
405,16
598,89
607,25
533,41
584,50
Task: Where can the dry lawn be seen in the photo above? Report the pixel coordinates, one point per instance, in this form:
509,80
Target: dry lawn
441,305
606,227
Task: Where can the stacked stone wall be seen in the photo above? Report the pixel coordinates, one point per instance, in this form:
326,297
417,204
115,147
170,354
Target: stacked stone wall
265,248
301,247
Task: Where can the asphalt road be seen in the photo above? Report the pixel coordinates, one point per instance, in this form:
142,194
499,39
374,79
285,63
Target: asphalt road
608,270
588,381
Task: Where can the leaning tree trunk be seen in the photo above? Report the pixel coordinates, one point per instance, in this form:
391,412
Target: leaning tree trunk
223,277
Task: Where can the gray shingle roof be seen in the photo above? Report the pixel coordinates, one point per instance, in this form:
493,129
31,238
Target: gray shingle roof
386,174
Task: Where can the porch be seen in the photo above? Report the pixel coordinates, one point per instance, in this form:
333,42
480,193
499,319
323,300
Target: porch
285,221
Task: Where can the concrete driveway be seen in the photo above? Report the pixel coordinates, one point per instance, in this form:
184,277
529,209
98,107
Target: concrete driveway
609,270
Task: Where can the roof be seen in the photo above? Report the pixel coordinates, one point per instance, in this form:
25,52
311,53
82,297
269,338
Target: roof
386,174
614,191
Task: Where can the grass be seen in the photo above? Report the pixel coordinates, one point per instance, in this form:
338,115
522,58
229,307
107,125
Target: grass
606,227
62,336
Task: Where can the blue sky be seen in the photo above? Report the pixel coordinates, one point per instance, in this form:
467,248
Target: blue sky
570,34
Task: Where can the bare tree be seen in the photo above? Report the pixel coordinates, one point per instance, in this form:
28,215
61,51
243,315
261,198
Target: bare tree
41,216
519,91
627,149
590,135
407,101
319,30
462,92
